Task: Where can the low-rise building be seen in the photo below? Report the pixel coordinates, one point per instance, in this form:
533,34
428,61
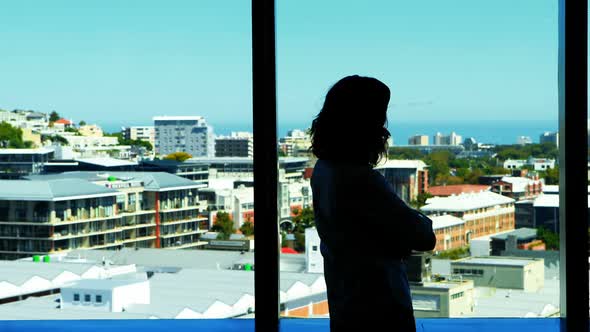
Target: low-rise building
518,188
502,272
90,130
538,164
445,298
16,163
483,213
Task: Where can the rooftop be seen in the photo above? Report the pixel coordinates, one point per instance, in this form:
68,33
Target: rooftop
456,189
107,162
152,181
465,202
418,164
447,220
56,189
521,234
498,261
26,151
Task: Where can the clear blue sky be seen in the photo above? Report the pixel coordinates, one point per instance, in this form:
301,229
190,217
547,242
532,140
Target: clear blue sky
122,62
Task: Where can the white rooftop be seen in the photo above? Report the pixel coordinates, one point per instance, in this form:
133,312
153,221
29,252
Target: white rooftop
26,151
418,164
519,183
465,202
444,221
107,162
497,260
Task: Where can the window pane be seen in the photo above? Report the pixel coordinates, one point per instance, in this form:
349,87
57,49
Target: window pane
102,104
473,119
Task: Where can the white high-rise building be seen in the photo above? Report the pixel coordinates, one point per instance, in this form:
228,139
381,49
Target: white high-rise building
452,139
190,134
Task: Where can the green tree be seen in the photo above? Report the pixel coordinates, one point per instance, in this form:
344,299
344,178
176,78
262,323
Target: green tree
420,200
178,156
303,219
247,228
82,123
11,137
54,116
136,142
552,176
224,225
550,238
405,153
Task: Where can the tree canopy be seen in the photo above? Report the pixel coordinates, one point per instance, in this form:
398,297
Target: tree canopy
178,156
54,116
12,137
224,225
247,228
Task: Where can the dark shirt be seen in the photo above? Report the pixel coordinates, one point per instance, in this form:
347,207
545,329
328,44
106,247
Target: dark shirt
366,231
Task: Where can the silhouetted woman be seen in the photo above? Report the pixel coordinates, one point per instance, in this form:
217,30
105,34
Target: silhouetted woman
366,230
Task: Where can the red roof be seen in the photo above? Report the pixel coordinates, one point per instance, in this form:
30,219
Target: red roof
64,121
287,250
456,189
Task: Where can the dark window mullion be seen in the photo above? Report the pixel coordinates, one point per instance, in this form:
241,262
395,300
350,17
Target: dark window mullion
573,138
266,230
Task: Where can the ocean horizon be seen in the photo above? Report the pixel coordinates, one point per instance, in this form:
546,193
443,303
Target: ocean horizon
491,132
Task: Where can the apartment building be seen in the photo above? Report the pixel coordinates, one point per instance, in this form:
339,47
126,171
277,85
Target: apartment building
418,140
190,134
294,142
142,133
408,177
240,144
483,213
48,214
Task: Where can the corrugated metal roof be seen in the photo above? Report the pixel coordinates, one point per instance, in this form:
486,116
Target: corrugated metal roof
444,221
465,202
50,190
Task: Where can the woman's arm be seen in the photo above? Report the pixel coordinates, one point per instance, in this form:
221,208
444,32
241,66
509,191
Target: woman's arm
398,217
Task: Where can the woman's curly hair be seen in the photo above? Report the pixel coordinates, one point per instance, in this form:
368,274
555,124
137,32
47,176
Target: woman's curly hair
351,125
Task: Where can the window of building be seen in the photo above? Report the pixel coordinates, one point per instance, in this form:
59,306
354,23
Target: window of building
98,299
87,298
76,297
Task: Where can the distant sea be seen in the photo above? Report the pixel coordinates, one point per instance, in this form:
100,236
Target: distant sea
493,132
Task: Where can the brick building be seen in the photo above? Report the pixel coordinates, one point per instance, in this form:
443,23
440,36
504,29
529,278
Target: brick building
483,213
